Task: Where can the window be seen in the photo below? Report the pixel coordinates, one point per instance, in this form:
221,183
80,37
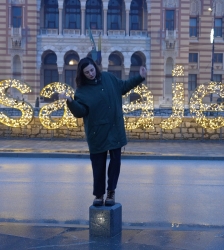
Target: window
50,59
70,76
72,14
50,73
94,14
136,14
115,63
51,14
193,57
16,17
136,60
72,59
192,82
170,19
193,27
217,78
218,27
218,57
114,60
114,15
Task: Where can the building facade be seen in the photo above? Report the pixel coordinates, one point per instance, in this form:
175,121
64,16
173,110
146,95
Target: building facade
43,40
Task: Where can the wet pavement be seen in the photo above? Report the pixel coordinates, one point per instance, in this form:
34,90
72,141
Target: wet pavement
44,235
22,236
145,149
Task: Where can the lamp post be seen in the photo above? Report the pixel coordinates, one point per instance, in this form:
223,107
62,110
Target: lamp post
212,40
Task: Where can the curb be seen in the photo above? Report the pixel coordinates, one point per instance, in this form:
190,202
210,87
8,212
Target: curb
123,156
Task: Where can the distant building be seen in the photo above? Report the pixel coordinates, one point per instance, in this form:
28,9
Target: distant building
42,41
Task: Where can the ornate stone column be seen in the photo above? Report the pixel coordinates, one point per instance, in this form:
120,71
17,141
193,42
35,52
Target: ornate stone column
127,22
60,21
105,8
83,21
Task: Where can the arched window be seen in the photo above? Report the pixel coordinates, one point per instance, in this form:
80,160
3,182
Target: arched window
115,65
136,14
136,62
72,17
51,14
71,62
94,14
50,72
50,59
114,15
114,60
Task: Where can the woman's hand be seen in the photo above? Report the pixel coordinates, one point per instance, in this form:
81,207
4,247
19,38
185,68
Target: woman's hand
142,72
64,96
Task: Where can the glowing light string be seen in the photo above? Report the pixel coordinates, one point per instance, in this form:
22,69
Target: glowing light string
144,104
197,107
46,111
25,108
175,119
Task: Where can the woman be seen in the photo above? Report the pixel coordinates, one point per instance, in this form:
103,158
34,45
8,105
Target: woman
98,99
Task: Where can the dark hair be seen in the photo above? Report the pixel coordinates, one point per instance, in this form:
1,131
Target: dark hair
83,63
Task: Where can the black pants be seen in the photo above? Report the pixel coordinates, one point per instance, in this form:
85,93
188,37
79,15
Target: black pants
99,171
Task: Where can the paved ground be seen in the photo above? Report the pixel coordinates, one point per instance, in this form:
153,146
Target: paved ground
19,236
147,149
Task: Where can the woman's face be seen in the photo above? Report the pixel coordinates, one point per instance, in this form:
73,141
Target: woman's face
89,72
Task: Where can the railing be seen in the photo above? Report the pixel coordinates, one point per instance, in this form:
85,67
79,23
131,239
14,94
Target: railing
116,32
75,32
94,32
49,32
16,32
142,33
171,34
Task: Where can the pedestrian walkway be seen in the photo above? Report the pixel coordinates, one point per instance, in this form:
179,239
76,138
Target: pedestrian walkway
25,236
146,149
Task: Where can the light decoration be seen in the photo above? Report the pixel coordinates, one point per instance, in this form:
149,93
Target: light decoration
178,70
177,108
25,108
45,112
178,101
145,104
197,107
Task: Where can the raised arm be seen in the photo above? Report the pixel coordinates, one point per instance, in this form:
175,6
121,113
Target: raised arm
131,83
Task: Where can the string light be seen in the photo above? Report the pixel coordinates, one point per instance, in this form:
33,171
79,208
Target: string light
178,70
175,119
197,107
25,108
145,104
46,111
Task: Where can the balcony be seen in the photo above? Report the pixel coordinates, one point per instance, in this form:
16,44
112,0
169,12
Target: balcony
116,33
138,33
193,66
49,32
218,66
71,32
94,32
170,39
16,37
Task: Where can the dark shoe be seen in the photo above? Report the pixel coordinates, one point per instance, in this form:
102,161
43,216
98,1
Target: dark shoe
98,201
110,200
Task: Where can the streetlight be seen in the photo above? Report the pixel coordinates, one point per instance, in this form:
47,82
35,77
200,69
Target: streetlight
212,40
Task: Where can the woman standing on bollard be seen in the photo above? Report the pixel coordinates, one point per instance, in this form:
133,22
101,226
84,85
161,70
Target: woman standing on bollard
98,99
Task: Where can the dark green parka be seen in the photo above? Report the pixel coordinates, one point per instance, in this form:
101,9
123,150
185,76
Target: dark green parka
99,102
